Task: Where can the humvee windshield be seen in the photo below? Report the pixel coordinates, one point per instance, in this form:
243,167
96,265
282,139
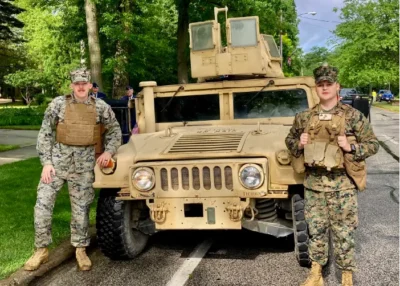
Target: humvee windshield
187,108
277,103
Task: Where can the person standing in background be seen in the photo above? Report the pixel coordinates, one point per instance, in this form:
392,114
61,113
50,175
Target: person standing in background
129,93
96,93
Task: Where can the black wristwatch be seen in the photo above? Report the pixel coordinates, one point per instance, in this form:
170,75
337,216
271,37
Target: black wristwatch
353,148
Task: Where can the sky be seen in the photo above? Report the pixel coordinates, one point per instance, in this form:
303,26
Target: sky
314,32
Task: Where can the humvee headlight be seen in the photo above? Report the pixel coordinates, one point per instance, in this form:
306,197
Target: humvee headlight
251,176
143,179
283,157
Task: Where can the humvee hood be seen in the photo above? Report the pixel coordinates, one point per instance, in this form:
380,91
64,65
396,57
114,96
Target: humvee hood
210,142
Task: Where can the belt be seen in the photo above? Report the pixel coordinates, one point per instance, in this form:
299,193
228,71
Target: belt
325,171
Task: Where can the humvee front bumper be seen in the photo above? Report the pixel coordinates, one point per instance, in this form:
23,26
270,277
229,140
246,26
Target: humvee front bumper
205,194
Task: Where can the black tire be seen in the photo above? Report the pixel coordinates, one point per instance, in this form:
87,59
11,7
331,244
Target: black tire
300,231
116,237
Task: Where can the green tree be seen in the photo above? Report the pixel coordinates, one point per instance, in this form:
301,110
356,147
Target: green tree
139,41
8,21
52,33
368,43
121,76
26,81
314,58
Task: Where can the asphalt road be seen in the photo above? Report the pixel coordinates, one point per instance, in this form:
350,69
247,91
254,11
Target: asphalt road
246,258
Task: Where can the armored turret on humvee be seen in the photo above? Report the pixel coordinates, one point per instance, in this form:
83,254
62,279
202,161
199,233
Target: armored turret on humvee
210,155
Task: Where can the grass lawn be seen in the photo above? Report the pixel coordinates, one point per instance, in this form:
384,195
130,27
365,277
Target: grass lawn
18,183
387,106
22,127
8,147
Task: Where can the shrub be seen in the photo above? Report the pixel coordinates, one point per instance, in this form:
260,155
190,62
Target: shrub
21,116
40,98
43,98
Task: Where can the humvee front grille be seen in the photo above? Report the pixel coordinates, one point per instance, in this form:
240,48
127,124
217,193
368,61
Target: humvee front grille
197,178
221,142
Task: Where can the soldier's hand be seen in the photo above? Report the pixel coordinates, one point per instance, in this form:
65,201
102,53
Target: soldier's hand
303,140
47,173
104,159
343,143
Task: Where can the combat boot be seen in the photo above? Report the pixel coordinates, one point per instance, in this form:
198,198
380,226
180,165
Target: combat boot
40,256
84,262
315,276
347,278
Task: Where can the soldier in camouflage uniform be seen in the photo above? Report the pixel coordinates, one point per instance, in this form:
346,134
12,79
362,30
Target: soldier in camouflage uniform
330,194
66,158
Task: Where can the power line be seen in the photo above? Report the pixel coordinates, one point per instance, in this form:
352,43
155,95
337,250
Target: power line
321,20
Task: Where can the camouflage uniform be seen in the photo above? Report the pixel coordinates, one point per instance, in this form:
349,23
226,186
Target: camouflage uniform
331,196
74,164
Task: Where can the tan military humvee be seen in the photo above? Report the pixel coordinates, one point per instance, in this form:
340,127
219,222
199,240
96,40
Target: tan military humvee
210,155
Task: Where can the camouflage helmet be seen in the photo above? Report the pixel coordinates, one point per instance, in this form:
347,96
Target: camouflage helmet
80,75
326,72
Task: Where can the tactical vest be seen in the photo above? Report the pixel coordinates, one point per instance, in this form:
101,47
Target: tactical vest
323,150
79,127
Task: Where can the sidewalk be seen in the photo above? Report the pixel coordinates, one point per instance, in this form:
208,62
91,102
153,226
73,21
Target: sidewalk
26,139
23,138
18,154
5,100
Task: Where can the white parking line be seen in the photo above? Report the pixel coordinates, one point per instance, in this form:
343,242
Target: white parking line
182,275
391,139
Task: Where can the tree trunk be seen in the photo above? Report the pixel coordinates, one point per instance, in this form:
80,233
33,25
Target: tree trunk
121,77
120,80
183,36
27,97
93,41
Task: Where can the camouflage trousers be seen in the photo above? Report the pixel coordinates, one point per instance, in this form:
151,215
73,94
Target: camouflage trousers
81,195
336,211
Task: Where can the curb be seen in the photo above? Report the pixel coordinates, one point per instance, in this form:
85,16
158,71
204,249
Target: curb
385,109
57,256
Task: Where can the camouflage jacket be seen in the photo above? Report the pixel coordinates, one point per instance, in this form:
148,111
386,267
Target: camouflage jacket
357,125
80,158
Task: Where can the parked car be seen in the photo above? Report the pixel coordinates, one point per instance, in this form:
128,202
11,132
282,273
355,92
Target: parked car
347,95
385,95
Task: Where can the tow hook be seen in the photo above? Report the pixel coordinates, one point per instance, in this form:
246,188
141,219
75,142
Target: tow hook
158,213
236,210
